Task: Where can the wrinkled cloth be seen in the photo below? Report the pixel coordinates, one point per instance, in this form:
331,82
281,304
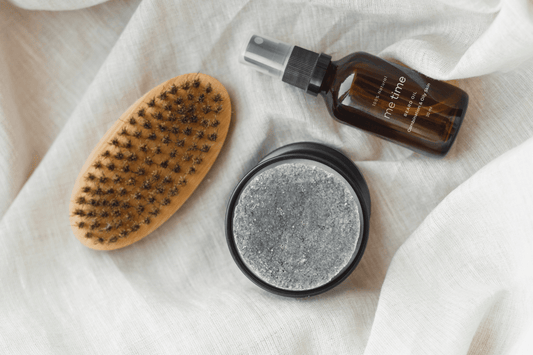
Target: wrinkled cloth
448,268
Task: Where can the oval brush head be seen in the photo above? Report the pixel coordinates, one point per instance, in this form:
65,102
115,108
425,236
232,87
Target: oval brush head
150,161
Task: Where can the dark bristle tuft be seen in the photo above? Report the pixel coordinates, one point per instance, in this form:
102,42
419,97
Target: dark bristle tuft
192,147
141,112
86,189
173,191
123,233
217,98
114,142
168,107
140,171
167,179
215,123
90,177
158,116
114,203
81,200
127,144
137,134
151,103
125,205
137,196
117,213
178,101
98,192
147,124
146,185
205,148
143,148
206,109
123,132
197,160
192,170
128,216
148,161
193,118
93,202
151,199
186,85
184,119
152,136
218,109
156,150
112,240
209,88
191,108
139,209
110,166
122,191
190,97
155,212
175,129
172,117
105,202
205,122
186,157
196,83
110,191
133,121
166,140
147,220
201,98
164,164
135,228
133,157
97,164
117,179
173,153
108,227
91,214
104,214
181,109
176,169
162,127
131,182
156,175
187,131
100,240
173,89
80,224
94,225
163,95
212,137
165,201
88,235
159,189
182,181
119,155
125,168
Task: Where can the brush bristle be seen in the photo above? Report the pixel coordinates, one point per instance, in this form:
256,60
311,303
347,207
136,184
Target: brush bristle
141,169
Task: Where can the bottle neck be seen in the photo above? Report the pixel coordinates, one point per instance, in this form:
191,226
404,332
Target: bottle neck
306,70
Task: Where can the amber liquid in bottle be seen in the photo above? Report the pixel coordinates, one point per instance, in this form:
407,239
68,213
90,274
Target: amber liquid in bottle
395,103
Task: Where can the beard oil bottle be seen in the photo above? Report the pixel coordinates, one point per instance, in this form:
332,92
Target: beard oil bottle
364,91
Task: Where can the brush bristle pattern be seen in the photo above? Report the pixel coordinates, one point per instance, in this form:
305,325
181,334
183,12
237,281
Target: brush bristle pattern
142,168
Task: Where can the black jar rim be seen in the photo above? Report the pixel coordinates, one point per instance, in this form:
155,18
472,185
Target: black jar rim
321,154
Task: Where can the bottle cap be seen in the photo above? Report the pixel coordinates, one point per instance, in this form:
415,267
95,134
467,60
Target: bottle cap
294,65
267,55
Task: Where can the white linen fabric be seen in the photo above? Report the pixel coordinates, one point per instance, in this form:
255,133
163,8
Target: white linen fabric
448,268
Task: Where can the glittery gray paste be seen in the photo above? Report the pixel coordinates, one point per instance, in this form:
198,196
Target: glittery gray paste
296,225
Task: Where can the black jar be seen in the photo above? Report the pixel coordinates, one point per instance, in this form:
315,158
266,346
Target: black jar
297,224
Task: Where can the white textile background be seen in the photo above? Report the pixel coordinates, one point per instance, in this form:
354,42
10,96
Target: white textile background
449,264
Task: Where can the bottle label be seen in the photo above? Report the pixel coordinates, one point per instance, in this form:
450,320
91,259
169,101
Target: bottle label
397,100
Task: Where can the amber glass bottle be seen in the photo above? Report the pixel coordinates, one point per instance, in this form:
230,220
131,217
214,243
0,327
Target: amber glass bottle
364,91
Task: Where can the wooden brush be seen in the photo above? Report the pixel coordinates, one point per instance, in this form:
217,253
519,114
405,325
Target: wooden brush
150,161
